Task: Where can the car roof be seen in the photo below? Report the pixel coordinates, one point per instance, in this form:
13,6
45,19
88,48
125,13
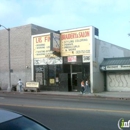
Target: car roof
6,115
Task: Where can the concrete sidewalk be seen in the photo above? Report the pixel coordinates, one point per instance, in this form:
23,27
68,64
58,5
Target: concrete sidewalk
117,95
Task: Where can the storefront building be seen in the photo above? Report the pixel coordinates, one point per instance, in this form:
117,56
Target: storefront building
64,71
116,73
67,57
59,60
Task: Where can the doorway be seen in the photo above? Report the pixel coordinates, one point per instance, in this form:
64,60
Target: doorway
74,81
76,72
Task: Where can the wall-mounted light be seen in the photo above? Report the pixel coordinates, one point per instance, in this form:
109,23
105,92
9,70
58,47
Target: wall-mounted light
27,67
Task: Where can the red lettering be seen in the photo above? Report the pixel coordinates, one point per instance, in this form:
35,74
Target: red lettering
75,35
80,34
87,34
62,37
84,34
46,39
38,40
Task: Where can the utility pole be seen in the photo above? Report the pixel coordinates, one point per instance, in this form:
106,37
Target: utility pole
9,68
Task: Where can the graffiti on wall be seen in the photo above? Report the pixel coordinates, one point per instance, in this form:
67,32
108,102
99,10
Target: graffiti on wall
118,80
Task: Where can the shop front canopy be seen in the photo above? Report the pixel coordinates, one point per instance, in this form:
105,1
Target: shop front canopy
119,63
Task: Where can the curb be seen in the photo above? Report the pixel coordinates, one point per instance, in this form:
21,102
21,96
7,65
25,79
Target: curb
69,94
111,97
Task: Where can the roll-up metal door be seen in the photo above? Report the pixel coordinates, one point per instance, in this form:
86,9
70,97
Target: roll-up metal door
118,81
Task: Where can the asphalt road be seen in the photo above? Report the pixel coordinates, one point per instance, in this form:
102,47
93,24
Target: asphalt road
69,113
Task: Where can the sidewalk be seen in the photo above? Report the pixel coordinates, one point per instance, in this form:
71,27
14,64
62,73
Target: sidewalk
117,95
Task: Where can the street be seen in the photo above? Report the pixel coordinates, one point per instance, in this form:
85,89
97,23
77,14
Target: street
68,112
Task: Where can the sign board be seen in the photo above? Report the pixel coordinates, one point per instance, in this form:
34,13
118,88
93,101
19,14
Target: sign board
115,67
75,42
41,46
55,42
72,58
49,61
52,81
86,58
32,84
118,67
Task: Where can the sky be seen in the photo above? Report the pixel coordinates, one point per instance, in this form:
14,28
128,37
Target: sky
111,17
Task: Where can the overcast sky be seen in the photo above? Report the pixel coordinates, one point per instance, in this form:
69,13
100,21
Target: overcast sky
111,17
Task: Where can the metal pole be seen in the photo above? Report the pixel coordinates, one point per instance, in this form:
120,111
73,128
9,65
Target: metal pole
9,73
9,83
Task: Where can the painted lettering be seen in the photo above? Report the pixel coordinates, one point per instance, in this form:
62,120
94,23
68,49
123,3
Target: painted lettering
38,40
75,35
46,39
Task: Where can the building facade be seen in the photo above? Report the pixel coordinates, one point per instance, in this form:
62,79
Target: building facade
20,53
58,60
105,50
63,72
116,73
81,54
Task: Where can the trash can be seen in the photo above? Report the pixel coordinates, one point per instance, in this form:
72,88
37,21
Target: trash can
14,87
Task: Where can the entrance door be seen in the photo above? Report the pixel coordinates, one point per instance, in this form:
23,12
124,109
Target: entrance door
63,79
79,78
39,78
74,81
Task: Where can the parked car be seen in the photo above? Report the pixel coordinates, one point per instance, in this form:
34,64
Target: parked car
14,121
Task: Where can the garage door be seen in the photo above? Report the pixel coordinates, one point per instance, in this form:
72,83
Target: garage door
118,81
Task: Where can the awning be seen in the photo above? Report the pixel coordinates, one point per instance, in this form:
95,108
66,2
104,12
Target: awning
120,63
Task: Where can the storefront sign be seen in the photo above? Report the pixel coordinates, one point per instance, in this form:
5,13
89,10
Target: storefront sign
117,67
86,58
49,61
32,84
55,42
75,42
41,45
52,81
72,58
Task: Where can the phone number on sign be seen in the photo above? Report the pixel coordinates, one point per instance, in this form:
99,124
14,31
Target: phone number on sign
82,51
